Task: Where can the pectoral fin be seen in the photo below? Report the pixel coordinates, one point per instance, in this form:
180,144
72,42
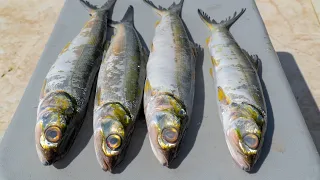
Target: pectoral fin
254,59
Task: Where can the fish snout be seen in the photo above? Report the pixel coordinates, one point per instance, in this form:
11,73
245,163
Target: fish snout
107,158
47,151
243,160
163,143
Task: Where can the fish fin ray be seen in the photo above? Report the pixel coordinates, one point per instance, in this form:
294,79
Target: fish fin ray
212,24
207,20
254,60
176,7
160,10
129,15
108,4
196,49
90,7
230,21
211,72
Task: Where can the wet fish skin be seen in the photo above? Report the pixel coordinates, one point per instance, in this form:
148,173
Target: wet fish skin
67,86
170,83
240,96
119,92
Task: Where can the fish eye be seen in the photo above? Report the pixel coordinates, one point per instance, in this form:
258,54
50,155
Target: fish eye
170,135
251,140
182,112
113,141
53,134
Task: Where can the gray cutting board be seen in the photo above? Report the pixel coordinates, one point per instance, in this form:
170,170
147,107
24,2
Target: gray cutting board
288,153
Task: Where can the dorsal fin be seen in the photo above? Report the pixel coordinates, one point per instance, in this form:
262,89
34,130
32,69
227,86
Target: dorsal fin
254,60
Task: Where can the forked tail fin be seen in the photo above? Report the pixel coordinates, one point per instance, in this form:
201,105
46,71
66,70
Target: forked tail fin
212,24
93,8
176,8
127,18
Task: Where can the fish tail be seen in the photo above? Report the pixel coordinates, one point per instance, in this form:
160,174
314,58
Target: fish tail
127,18
176,8
212,24
93,8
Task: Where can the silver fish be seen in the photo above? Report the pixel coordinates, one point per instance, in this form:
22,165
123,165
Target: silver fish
67,87
119,92
240,96
170,83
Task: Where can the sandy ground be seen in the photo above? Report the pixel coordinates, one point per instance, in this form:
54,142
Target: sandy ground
293,26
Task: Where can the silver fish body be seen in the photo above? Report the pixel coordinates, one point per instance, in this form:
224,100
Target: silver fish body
170,84
239,91
67,87
119,92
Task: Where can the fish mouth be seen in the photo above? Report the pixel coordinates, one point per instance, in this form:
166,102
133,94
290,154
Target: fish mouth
46,156
164,156
238,156
107,163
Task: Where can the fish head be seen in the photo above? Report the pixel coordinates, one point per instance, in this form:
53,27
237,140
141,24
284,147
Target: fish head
245,136
51,134
111,135
166,128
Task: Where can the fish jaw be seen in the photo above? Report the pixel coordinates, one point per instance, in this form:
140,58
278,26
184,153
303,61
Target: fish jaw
112,131
107,163
52,134
49,151
107,156
244,142
165,132
46,156
162,155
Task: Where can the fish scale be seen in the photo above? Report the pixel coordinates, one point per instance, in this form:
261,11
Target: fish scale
67,86
241,103
119,92
170,83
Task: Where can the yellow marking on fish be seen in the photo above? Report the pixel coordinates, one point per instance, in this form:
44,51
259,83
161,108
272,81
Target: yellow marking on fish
147,87
92,40
157,23
214,61
153,93
208,40
152,48
211,72
223,98
98,96
62,102
65,48
43,93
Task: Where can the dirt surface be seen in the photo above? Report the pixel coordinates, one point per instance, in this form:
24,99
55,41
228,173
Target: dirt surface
293,27
25,27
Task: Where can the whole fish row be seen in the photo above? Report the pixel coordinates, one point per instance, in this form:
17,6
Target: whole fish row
161,81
